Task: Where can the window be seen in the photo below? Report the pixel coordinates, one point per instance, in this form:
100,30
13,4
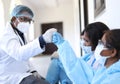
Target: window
99,6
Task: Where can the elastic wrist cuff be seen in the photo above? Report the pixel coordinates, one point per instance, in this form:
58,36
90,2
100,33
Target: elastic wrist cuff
42,42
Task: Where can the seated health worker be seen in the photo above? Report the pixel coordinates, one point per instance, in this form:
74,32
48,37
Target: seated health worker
15,51
91,35
56,69
109,49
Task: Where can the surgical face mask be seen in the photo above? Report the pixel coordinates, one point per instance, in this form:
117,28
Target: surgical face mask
23,26
86,49
98,50
103,59
97,54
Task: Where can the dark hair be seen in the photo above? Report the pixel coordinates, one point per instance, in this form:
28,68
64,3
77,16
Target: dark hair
95,32
112,38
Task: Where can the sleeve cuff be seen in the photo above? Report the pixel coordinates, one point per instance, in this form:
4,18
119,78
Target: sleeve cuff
42,42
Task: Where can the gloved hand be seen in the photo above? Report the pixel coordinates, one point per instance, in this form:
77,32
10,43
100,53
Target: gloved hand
47,36
57,39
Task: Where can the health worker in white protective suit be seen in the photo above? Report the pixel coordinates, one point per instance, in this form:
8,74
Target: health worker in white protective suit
15,51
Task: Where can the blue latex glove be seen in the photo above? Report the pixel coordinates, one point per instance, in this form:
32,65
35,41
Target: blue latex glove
57,39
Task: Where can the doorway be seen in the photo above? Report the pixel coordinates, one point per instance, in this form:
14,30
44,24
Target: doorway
83,14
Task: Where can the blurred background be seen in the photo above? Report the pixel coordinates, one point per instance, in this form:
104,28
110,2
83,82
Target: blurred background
68,16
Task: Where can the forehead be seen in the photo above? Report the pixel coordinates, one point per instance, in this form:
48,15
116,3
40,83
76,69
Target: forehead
25,14
85,35
24,17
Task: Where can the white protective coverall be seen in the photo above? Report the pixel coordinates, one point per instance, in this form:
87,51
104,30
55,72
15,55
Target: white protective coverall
14,57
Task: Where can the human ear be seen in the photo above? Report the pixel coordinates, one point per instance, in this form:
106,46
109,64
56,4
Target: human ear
109,52
13,19
113,52
14,22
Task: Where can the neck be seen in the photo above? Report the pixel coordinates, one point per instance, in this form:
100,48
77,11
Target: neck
110,61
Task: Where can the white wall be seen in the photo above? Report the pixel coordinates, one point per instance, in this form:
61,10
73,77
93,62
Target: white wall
110,16
6,5
76,28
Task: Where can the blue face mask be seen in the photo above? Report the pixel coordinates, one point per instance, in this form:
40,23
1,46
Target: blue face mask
86,49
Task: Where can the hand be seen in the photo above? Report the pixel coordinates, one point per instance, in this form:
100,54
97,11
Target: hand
47,36
57,39
55,55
